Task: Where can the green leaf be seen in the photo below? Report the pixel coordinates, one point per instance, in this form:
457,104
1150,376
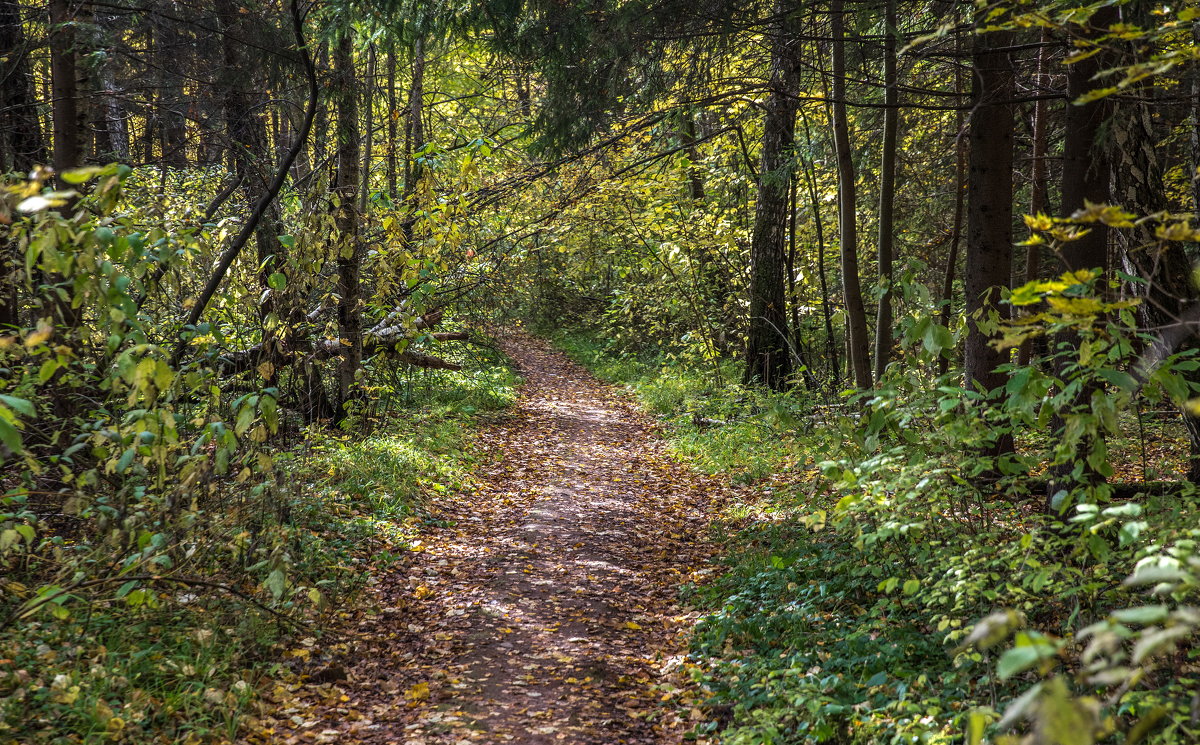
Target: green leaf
277,281
911,586
976,724
1118,378
10,436
27,532
21,405
81,175
1146,614
1156,641
276,583
1152,575
1019,659
245,418
125,460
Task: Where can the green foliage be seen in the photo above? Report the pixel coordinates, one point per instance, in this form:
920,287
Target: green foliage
164,529
847,610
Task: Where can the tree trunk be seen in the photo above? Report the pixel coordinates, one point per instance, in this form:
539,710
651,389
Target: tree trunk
1085,173
831,346
960,189
768,358
1039,176
23,144
887,192
369,130
1195,125
112,113
415,131
251,148
68,140
989,206
349,248
1137,186
67,127
856,316
393,117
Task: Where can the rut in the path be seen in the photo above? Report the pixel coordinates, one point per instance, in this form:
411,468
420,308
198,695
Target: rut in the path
546,613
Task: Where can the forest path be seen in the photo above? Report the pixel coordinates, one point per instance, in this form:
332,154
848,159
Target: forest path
546,612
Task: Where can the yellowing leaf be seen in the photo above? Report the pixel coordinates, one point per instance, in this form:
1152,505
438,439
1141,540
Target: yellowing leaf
632,625
418,693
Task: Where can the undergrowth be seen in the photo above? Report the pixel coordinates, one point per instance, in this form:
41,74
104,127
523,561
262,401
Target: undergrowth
854,582
179,657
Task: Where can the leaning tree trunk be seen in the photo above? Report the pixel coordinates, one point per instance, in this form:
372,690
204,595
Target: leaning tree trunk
831,346
349,248
768,358
856,314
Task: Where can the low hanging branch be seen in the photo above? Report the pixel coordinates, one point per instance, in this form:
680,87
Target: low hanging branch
281,173
387,338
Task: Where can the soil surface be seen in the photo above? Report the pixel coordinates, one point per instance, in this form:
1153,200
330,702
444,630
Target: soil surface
546,611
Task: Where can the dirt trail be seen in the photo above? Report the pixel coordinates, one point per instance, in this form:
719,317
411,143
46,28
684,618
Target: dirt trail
546,612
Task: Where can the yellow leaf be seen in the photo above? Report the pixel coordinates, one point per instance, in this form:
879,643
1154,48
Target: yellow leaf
632,625
418,693
422,592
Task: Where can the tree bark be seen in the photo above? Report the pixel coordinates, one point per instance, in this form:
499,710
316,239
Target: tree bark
831,346
68,140
989,206
393,117
856,316
887,192
349,247
1039,176
768,358
1085,176
415,135
23,144
68,131
1138,186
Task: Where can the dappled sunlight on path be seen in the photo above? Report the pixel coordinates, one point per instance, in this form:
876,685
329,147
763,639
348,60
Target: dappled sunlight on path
546,612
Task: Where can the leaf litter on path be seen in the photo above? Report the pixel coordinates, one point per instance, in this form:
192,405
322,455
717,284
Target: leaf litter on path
546,612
